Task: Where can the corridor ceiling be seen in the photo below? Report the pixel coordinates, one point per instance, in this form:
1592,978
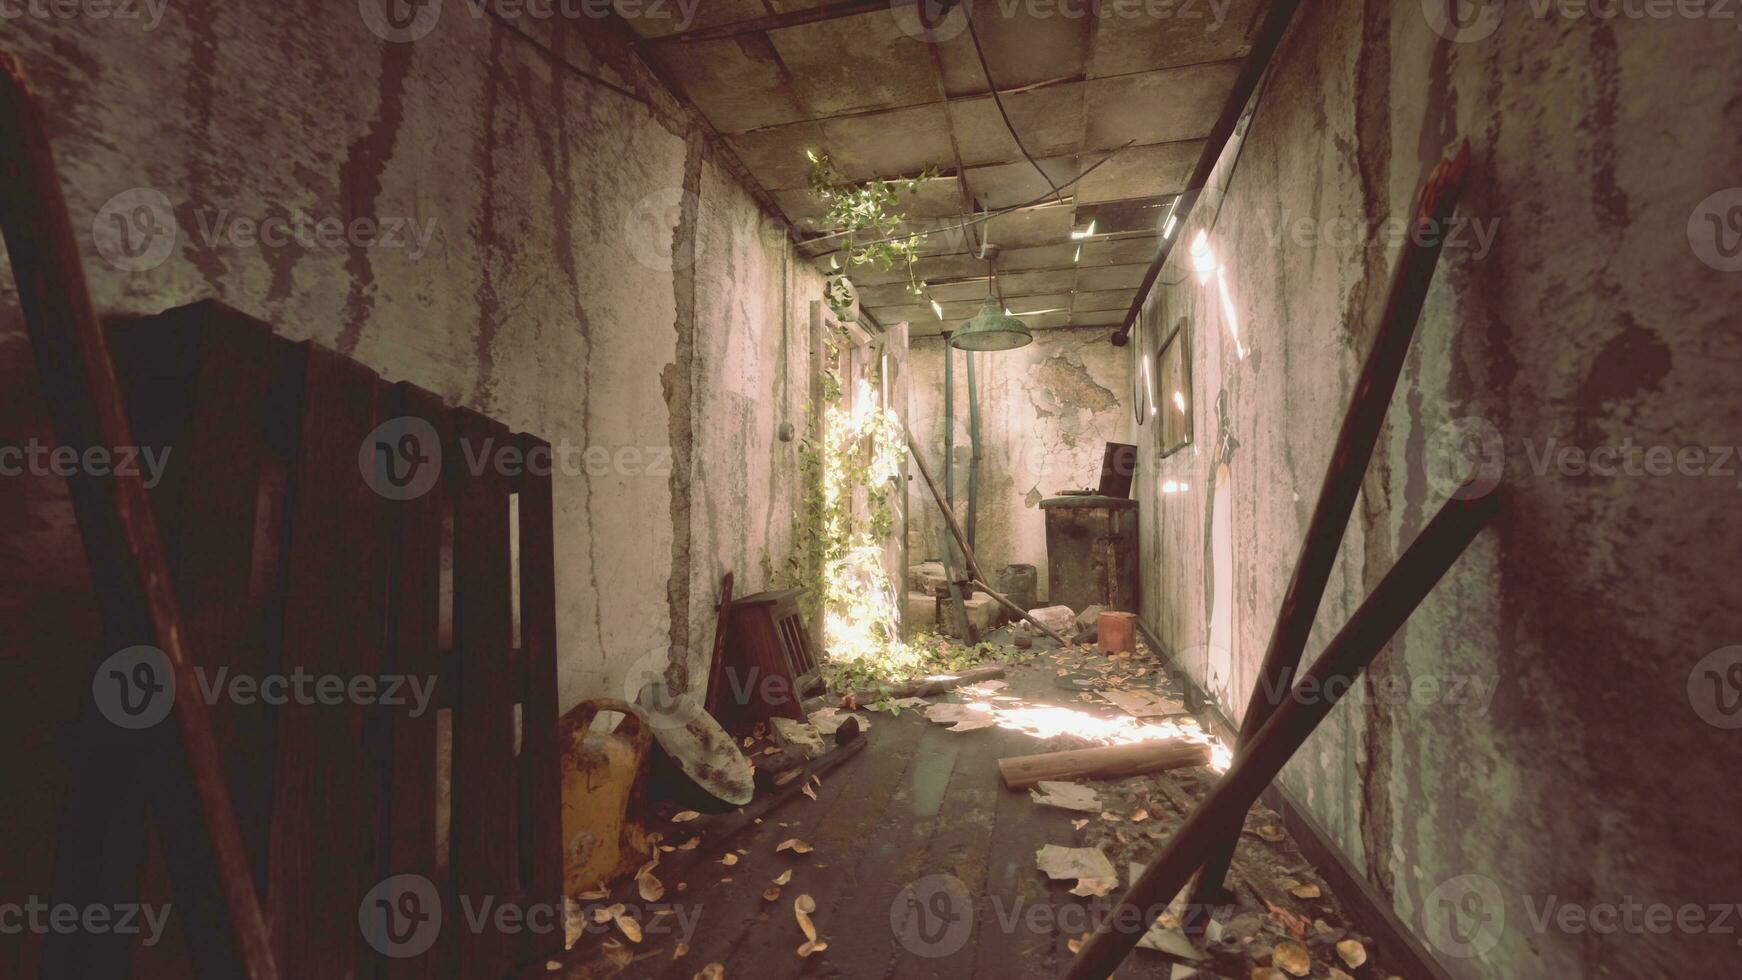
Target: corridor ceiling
866,83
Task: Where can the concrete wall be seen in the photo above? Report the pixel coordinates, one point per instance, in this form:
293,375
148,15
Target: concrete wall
1047,412
1560,744
590,274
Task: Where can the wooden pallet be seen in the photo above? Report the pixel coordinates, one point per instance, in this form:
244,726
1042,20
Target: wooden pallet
290,553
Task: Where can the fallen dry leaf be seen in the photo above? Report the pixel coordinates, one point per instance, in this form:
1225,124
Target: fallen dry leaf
1272,833
802,907
810,791
1308,890
1080,824
681,951
651,888
785,876
794,845
1352,952
1140,816
713,971
594,895
1292,958
690,845
771,893
630,927
788,776
728,859
812,946
609,912
684,816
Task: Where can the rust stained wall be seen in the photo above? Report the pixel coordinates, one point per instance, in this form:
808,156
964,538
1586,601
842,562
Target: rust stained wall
1542,733
575,263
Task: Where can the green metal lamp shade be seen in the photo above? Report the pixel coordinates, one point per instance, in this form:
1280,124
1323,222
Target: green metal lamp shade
992,329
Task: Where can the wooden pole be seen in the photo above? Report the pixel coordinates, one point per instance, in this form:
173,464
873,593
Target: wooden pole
1103,762
1332,675
967,552
1342,483
115,518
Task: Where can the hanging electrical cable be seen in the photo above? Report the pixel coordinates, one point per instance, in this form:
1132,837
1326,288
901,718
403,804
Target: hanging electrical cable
999,101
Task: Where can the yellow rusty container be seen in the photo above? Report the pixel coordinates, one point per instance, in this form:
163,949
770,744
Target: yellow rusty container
602,773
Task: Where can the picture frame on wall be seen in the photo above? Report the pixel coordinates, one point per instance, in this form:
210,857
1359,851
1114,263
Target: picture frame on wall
1173,390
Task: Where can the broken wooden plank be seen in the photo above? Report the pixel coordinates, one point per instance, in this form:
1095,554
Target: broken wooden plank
1103,762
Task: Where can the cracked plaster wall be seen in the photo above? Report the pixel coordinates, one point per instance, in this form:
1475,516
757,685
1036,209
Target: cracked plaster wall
1570,767
593,276
1047,412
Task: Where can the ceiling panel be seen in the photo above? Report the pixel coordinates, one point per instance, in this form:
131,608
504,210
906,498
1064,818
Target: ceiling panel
886,144
1118,251
1141,171
1008,185
1025,44
1035,226
738,84
1030,283
1157,106
1044,257
1050,120
776,156
648,18
1110,299
858,62
1151,37
1103,277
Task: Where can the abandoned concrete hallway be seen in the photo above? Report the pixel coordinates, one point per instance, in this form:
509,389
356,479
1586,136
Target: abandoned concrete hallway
1227,489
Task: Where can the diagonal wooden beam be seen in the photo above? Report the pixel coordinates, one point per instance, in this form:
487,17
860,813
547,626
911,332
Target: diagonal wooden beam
116,523
1354,648
1356,438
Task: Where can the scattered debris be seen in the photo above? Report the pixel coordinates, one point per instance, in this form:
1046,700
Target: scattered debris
1094,873
1353,953
1143,704
1292,958
828,720
798,738
794,845
962,717
684,816
1066,796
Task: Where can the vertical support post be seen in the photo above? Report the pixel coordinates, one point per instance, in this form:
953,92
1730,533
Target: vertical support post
974,452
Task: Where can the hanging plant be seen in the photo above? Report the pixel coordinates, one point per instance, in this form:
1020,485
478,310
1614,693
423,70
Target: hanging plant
869,217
